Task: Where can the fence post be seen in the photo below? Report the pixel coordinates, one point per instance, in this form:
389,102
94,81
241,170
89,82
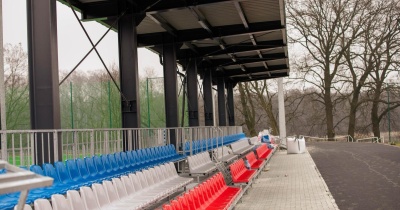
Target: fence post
75,147
55,145
92,145
106,143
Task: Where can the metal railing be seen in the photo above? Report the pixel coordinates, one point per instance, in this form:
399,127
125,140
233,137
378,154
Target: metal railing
369,139
347,138
19,147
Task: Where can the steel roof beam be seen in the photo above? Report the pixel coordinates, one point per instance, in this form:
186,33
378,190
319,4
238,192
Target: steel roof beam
234,48
251,70
192,35
166,6
243,60
246,78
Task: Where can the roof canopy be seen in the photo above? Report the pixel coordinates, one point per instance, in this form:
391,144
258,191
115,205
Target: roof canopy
243,40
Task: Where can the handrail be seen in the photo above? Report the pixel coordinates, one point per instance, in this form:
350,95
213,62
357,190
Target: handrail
374,139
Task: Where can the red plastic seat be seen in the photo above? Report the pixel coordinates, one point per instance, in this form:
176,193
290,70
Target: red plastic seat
212,194
239,172
263,152
167,207
176,205
253,161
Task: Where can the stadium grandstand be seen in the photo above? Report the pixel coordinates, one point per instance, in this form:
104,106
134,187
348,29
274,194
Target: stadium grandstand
210,166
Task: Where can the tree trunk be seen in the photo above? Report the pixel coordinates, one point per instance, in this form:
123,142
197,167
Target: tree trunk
249,115
375,118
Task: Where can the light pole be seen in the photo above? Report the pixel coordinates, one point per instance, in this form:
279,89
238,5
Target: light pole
388,113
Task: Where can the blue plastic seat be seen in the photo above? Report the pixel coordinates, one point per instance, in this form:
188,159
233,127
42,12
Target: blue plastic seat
65,177
91,167
83,170
50,171
75,175
119,170
101,168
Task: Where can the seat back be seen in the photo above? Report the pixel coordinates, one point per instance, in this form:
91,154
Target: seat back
62,172
99,164
125,159
59,202
75,200
136,157
113,162
42,204
90,166
110,191
80,163
89,199
119,188
130,189
100,194
135,181
106,162
251,158
119,160
149,177
37,169
50,171
142,180
26,207
73,170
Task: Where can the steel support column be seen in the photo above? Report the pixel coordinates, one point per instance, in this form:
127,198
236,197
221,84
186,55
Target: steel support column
170,84
231,104
193,103
221,102
208,98
129,78
43,77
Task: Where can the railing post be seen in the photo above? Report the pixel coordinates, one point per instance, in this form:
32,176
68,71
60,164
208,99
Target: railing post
32,140
55,145
75,147
106,143
92,144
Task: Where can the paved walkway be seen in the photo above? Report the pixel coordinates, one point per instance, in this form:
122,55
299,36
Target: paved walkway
292,182
360,176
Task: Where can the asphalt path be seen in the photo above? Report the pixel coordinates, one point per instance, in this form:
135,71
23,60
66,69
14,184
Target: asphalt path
359,175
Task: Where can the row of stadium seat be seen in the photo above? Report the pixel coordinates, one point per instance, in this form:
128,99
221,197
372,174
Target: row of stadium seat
135,191
201,163
84,172
240,173
211,194
197,146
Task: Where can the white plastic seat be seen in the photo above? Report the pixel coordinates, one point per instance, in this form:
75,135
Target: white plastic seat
100,194
75,200
42,204
201,164
110,191
225,154
59,202
89,199
130,189
26,207
241,147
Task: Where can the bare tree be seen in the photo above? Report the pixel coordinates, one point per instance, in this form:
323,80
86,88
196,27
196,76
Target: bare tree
16,84
325,29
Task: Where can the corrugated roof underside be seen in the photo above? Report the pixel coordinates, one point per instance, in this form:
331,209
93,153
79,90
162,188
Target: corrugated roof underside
221,14
149,26
261,10
181,19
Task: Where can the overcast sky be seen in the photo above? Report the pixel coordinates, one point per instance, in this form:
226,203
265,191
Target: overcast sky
72,42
